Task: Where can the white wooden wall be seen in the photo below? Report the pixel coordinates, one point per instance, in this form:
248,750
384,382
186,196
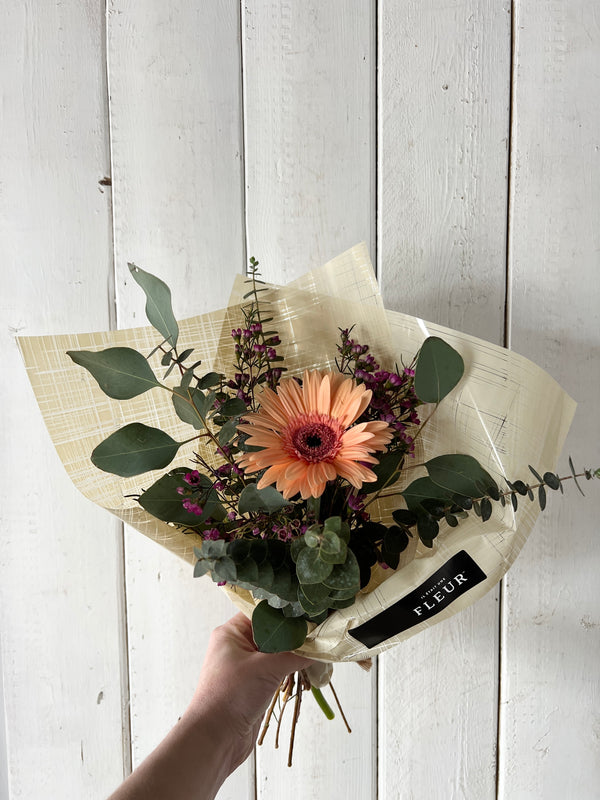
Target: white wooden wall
461,141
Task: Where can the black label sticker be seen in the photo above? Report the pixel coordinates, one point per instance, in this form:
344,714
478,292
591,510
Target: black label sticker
456,577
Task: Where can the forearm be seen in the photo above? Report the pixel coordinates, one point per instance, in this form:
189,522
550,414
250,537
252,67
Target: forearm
191,763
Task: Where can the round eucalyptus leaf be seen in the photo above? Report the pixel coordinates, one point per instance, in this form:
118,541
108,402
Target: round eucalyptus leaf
312,538
275,633
247,571
346,575
330,542
335,558
310,568
239,550
224,570
315,592
311,606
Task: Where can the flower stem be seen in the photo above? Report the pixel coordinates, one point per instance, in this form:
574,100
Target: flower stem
322,703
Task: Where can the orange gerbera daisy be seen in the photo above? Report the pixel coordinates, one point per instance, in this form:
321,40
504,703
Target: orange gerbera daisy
306,436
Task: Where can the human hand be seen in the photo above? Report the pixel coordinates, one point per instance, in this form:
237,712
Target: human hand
237,683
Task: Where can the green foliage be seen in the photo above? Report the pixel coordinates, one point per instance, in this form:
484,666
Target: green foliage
192,406
209,380
233,407
158,304
254,499
164,502
460,474
387,471
438,370
274,632
122,373
135,449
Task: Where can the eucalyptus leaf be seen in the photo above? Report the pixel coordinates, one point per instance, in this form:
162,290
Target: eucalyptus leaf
190,405
312,537
225,570
310,568
158,304
542,497
121,372
163,501
486,509
438,370
239,550
259,549
396,539
293,610
335,558
551,480
404,517
427,527
283,586
536,474
333,524
209,380
459,474
315,592
389,558
346,575
213,548
386,471
254,499
421,490
247,571
275,633
135,449
227,432
233,407
265,575
312,606
201,568
297,546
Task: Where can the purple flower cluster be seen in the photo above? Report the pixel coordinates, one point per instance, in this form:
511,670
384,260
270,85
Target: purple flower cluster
394,400
289,530
255,354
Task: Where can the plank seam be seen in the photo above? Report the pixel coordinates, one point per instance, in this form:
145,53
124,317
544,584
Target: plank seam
507,344
375,233
126,732
377,131
243,138
253,767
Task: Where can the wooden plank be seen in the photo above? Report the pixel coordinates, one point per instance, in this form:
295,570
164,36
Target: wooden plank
177,186
309,86
309,125
444,78
60,575
549,721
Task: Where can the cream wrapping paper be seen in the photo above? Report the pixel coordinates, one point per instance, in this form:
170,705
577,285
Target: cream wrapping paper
506,412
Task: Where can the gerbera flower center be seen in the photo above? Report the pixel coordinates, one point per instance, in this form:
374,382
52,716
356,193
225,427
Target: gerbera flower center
313,439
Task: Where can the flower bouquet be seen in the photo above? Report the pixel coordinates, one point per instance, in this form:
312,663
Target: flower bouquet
348,474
